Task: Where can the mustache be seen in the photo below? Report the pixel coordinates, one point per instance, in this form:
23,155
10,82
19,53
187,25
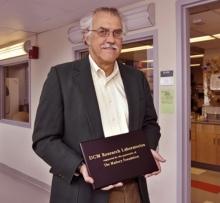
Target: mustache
108,45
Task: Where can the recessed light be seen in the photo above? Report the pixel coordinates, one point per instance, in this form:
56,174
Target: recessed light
132,49
201,39
217,36
197,56
147,61
198,21
195,65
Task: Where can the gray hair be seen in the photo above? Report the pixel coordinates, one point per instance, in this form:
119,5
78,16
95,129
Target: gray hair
86,22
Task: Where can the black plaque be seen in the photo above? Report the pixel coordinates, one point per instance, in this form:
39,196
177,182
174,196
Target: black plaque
118,158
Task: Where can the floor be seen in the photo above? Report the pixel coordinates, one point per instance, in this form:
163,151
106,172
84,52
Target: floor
205,186
16,190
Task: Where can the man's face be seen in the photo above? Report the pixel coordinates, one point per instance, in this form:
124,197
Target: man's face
105,49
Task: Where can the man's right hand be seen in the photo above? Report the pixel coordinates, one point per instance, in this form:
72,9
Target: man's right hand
83,170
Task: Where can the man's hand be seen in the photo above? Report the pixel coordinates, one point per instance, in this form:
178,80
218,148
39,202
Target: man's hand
109,187
158,158
83,170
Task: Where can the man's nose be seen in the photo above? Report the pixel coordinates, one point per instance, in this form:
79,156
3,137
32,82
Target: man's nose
110,38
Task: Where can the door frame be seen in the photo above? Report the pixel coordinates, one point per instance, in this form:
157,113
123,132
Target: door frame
183,98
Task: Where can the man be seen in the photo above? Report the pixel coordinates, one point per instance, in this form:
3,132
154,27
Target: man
88,99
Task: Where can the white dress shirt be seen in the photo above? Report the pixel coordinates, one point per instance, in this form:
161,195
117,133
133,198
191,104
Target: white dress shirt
111,98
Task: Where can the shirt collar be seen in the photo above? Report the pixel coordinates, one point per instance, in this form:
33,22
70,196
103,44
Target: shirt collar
96,69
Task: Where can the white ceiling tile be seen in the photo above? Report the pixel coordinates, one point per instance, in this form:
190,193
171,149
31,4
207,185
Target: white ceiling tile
209,21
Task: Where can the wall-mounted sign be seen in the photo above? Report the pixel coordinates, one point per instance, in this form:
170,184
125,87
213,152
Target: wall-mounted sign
167,101
166,77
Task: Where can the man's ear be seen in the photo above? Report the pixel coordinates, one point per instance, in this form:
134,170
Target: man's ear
86,39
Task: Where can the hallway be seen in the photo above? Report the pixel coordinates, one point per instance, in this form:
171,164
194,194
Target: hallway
15,189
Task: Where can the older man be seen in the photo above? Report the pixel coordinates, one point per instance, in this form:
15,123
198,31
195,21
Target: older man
88,99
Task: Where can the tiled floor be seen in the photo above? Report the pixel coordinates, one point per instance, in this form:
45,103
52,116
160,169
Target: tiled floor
15,190
204,195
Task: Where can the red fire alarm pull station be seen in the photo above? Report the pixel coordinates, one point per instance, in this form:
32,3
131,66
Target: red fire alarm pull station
34,52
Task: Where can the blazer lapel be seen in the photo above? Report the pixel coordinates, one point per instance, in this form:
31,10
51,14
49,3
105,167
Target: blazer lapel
84,80
132,96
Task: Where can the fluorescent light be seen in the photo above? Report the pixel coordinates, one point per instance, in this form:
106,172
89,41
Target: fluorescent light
12,51
195,65
217,35
147,61
145,47
201,39
197,56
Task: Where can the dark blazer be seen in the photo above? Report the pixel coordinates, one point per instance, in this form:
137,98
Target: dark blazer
68,114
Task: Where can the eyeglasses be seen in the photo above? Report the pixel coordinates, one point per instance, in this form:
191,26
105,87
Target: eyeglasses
104,32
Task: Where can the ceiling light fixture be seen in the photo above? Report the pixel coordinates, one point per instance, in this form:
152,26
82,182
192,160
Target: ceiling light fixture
195,65
197,56
12,51
217,35
148,61
201,39
140,48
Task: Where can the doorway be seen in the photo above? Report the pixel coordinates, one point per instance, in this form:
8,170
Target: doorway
199,99
204,21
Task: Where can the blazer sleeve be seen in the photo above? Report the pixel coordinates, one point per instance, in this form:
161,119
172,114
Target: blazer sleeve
49,130
150,124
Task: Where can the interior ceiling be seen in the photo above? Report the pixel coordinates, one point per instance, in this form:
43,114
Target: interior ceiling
20,19
23,18
205,20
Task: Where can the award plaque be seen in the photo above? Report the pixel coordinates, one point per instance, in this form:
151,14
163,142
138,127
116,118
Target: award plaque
118,158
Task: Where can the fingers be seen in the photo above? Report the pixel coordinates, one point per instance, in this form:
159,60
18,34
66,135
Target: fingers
157,156
83,170
85,174
155,172
152,174
109,187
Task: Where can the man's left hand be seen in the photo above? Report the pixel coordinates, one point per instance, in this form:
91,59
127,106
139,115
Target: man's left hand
158,158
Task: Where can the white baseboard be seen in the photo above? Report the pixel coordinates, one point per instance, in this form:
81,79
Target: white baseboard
19,175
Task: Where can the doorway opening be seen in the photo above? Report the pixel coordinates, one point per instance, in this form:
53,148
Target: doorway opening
204,21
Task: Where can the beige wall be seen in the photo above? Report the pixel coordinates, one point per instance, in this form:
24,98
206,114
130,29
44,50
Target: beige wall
163,188
15,142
